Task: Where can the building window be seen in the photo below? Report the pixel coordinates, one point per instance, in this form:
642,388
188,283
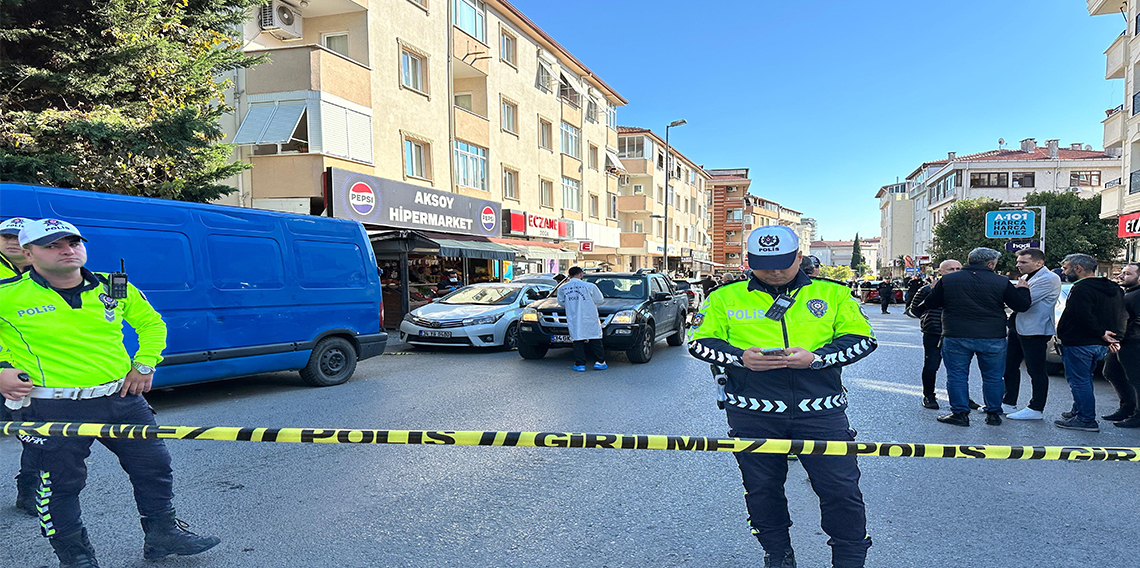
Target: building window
470,165
611,116
989,180
421,3
463,101
1023,179
593,205
412,71
660,194
660,160
593,157
631,147
545,134
570,141
546,190
1084,179
510,184
611,209
571,194
545,80
337,42
568,94
417,159
510,116
592,111
471,17
639,227
507,48
638,189
734,215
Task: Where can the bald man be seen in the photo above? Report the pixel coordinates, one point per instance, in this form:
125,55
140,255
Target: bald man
931,323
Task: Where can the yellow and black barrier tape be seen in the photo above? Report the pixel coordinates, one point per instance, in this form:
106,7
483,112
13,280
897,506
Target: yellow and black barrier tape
567,440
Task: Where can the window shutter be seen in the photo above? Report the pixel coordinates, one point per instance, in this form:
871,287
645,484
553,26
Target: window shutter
256,118
283,123
334,129
359,137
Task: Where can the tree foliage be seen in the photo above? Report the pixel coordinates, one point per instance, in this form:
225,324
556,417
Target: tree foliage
840,273
1072,225
120,96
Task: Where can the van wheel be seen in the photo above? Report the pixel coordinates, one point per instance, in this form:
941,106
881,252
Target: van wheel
678,337
332,363
643,351
528,351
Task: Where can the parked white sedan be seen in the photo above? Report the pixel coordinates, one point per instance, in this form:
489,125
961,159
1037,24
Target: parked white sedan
479,315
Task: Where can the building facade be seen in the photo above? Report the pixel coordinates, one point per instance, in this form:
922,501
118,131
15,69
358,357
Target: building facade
1120,199
729,187
896,226
839,253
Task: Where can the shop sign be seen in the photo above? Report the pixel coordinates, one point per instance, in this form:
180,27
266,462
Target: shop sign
1129,225
517,222
586,246
369,199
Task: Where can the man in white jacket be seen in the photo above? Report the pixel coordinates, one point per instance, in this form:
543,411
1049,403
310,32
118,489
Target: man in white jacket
1029,337
580,299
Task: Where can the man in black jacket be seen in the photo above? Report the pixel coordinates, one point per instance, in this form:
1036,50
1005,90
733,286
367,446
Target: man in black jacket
912,287
931,324
1093,319
886,294
973,323
1122,368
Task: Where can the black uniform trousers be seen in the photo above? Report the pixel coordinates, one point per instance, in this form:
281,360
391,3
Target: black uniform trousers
931,361
835,480
597,351
63,472
885,300
1122,370
1031,349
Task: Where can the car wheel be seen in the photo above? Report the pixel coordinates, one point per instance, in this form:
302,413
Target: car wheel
643,351
511,338
528,351
678,337
332,362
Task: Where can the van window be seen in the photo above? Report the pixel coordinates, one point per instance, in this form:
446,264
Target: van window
238,263
155,260
329,265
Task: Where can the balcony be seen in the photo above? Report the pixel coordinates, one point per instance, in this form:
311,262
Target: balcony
634,204
1114,128
310,68
1105,7
1114,57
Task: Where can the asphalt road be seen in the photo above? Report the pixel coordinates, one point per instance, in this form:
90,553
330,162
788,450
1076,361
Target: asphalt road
284,505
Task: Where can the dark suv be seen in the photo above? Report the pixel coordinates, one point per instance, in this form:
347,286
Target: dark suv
640,308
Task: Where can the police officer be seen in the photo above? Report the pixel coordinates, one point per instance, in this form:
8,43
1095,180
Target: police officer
14,263
783,338
63,325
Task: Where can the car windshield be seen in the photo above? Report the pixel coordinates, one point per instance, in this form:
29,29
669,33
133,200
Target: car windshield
482,295
625,287
682,284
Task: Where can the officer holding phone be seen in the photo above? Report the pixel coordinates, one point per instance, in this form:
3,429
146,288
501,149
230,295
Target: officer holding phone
783,337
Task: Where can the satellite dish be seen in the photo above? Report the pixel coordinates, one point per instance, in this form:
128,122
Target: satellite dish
1001,142
1088,147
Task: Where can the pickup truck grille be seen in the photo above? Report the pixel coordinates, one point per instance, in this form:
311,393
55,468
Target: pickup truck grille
559,320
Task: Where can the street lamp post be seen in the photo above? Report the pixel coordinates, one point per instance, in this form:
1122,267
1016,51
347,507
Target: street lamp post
668,173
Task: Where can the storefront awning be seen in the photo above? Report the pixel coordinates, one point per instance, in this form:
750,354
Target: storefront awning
416,242
399,241
543,253
474,249
612,161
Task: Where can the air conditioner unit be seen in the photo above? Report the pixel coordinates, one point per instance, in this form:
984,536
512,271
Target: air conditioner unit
281,20
730,233
733,255
623,180
1074,189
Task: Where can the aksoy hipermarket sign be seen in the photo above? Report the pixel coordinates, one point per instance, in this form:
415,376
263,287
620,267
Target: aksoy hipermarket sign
369,199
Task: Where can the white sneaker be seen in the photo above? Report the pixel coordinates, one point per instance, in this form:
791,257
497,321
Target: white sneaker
1008,409
1026,414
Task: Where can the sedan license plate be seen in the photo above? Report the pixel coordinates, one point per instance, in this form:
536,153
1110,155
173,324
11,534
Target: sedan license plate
428,333
560,339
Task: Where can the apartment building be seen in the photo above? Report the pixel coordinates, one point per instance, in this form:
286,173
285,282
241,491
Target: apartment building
917,192
1121,200
652,193
839,253
465,103
896,226
728,188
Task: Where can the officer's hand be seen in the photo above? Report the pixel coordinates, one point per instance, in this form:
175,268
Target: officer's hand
11,386
799,358
755,360
135,383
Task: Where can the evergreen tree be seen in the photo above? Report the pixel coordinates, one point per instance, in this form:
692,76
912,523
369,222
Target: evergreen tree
857,261
119,96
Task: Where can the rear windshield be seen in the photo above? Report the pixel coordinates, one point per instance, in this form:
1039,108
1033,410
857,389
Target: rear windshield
618,287
483,295
682,284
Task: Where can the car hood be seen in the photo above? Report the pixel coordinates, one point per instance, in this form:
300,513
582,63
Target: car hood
438,311
608,306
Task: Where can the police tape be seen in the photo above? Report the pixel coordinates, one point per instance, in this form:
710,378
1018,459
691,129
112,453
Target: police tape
28,430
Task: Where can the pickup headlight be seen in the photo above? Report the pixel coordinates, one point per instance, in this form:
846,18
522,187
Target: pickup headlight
483,320
624,317
530,314
408,316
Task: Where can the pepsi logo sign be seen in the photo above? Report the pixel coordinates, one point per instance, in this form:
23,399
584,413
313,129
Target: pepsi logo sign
362,198
487,218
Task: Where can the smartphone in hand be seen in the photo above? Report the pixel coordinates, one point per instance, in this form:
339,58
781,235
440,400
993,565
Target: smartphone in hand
777,352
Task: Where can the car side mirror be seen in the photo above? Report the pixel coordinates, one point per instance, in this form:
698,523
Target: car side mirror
660,296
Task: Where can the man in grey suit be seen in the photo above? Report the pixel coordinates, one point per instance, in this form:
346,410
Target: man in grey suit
1029,334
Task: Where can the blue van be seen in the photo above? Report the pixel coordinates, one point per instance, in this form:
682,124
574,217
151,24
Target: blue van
242,291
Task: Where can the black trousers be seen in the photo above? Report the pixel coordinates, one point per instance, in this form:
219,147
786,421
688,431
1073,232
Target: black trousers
1031,349
60,460
835,480
931,360
596,350
1122,370
885,300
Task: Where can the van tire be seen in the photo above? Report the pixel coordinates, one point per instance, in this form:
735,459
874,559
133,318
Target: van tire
528,351
332,362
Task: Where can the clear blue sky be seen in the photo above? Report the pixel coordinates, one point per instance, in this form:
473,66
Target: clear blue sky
828,100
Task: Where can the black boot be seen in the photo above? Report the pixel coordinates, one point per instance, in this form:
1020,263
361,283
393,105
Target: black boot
786,560
74,550
166,535
27,490
1131,422
1120,414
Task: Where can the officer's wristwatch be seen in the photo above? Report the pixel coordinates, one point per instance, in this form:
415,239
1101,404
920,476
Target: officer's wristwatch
817,363
142,369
